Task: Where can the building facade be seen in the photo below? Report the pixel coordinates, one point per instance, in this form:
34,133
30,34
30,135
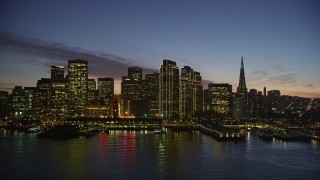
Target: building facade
220,100
57,72
169,90
106,93
191,93
240,105
78,87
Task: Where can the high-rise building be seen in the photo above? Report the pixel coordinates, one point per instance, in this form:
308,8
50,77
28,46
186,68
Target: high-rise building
92,84
220,100
78,87
240,97
152,93
29,99
106,93
42,97
186,96
40,104
17,103
253,104
59,98
135,73
197,94
242,88
169,90
57,72
131,91
93,93
274,102
191,93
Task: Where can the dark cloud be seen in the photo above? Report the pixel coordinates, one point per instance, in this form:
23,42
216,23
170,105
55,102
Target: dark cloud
43,54
284,78
52,53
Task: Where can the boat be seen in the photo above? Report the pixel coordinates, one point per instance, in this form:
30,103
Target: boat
162,130
36,129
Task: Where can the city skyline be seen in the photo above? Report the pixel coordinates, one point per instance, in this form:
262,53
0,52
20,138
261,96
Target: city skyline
278,40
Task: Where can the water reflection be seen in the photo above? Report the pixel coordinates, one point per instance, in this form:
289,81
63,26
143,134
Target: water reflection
144,155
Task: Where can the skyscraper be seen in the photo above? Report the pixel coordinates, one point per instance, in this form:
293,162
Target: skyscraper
242,88
169,90
106,93
152,93
191,93
274,102
59,98
78,87
57,72
42,97
220,100
131,91
135,73
93,94
253,104
240,111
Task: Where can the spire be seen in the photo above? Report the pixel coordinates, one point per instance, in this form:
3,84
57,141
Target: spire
242,67
242,80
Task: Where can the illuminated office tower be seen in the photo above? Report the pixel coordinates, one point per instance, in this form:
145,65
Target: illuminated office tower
191,93
29,100
152,93
131,91
169,90
92,84
59,98
197,94
106,93
78,87
274,104
185,98
17,103
93,93
220,100
135,73
40,104
57,72
42,98
240,111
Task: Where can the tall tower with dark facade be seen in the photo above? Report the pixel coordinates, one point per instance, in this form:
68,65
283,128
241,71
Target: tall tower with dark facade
131,91
106,93
240,111
242,88
78,87
135,73
152,93
57,72
169,90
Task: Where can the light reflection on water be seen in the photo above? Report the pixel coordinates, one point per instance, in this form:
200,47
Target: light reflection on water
144,155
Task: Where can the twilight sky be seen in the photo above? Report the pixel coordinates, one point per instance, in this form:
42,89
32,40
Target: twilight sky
279,40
